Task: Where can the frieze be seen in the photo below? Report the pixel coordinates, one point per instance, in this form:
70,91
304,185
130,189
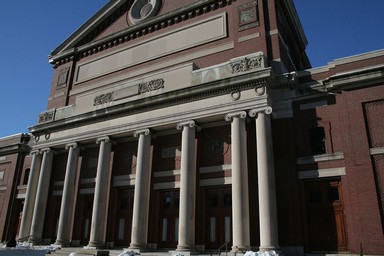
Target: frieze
103,98
152,85
247,64
47,116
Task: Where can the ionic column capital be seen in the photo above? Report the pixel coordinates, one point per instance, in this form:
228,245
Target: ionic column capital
46,150
35,152
105,139
240,114
145,132
190,124
71,145
254,112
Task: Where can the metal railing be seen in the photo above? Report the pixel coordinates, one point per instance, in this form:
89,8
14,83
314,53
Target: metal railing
221,248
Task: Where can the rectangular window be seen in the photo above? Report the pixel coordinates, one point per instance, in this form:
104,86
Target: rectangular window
317,140
212,233
86,228
227,230
121,229
164,232
177,229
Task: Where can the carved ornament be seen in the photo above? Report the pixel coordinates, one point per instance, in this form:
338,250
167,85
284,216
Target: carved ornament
103,98
152,85
247,64
47,116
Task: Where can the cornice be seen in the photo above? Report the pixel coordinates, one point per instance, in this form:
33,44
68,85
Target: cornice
151,25
354,79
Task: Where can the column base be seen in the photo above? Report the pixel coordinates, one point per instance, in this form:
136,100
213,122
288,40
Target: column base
185,250
137,248
95,245
62,243
35,241
268,248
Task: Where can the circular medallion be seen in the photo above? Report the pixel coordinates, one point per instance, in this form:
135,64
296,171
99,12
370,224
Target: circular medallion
143,9
146,10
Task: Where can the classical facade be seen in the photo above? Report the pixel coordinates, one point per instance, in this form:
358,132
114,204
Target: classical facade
187,125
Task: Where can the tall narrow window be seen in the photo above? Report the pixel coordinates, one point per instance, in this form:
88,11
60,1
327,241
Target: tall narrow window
26,176
317,140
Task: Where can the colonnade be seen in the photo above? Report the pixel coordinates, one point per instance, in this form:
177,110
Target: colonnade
39,180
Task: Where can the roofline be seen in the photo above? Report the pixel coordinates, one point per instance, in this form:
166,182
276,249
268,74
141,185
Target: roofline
296,21
94,21
342,61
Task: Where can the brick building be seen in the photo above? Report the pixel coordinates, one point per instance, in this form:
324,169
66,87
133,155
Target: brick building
13,182
186,125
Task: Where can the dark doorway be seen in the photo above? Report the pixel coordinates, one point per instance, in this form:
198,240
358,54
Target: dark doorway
123,216
326,222
218,221
168,218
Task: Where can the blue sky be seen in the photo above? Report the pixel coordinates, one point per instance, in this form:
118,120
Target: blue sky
29,30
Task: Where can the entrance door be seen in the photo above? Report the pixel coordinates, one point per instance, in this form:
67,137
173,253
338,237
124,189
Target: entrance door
326,223
123,220
169,218
83,218
219,217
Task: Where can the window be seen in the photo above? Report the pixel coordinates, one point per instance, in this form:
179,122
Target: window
26,176
317,140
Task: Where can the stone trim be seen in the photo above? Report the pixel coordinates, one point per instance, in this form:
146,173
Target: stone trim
322,173
376,151
320,158
217,181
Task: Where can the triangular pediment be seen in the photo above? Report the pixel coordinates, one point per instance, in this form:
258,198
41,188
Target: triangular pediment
117,16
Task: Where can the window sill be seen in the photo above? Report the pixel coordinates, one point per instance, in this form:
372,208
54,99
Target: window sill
320,158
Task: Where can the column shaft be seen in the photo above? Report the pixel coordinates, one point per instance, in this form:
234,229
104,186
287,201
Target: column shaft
100,200
266,182
29,202
186,240
240,197
142,191
68,199
41,197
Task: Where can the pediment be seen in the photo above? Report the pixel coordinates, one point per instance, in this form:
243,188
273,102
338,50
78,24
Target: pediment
114,17
123,20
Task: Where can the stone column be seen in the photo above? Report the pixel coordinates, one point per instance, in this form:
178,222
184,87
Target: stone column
186,241
100,200
29,202
68,199
266,179
240,197
41,197
142,191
